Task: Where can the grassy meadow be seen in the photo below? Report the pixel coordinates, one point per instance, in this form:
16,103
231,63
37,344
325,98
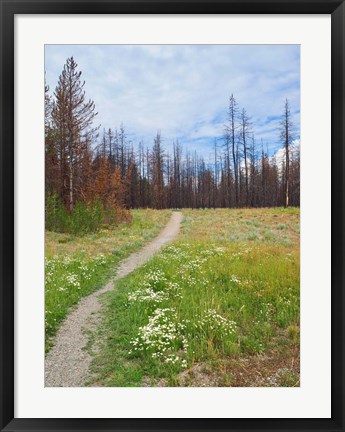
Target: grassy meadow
218,307
75,266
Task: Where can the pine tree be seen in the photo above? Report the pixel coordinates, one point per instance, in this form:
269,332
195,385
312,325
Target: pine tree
72,117
51,161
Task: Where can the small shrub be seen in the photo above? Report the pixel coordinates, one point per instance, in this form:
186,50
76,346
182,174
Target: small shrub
56,217
86,217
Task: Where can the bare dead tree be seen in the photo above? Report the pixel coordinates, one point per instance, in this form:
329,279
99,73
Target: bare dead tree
286,139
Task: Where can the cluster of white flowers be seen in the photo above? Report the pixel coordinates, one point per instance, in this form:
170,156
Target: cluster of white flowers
235,279
217,322
49,262
161,337
155,288
50,268
245,251
185,255
215,250
64,272
175,359
219,250
240,282
175,253
86,272
284,300
195,264
147,294
155,278
164,337
66,260
265,313
49,276
100,259
72,279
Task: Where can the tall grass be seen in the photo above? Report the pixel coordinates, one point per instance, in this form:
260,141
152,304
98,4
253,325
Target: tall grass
77,265
202,300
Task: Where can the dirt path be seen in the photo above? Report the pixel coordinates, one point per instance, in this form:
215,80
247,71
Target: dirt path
67,363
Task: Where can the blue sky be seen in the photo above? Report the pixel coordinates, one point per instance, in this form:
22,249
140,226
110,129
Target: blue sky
183,90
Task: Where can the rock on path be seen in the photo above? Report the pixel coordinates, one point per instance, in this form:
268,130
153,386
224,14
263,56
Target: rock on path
67,363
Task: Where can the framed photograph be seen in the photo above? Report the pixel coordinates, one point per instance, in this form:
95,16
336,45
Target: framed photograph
172,215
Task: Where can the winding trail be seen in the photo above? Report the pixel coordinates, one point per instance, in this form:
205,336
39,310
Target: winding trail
67,363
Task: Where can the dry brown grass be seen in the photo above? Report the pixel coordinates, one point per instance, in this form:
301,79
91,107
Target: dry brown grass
276,225
145,225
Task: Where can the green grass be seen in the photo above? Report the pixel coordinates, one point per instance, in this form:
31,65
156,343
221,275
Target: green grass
227,289
76,266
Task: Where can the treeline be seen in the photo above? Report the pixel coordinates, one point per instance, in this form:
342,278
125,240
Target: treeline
85,164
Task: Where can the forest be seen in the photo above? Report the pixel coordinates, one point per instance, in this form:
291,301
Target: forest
187,262
101,174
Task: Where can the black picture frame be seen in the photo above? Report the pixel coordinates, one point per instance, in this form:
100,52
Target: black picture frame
8,9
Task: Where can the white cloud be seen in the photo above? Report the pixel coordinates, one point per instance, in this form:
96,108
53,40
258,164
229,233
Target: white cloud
280,153
184,90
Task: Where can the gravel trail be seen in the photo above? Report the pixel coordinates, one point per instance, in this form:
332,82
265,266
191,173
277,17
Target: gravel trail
67,363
